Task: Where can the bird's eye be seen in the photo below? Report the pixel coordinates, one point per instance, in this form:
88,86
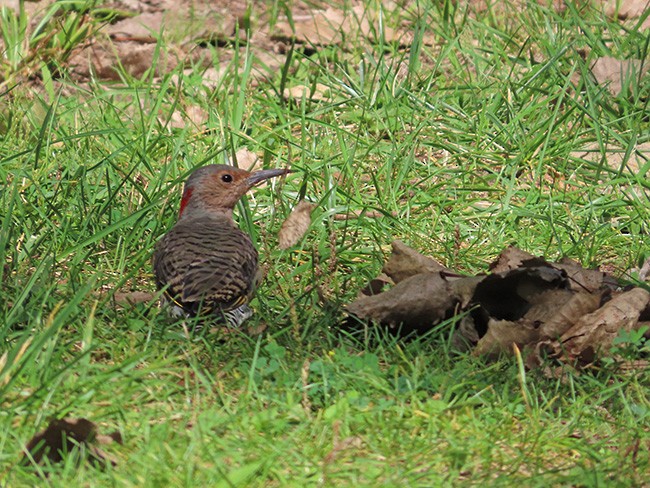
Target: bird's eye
226,178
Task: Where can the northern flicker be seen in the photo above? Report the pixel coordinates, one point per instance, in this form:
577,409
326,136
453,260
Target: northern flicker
207,264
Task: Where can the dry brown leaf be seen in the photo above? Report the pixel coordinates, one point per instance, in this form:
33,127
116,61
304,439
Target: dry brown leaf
465,336
582,279
376,285
509,295
566,313
320,92
132,297
538,306
192,115
405,262
247,159
552,313
596,331
615,73
502,334
61,436
416,302
511,258
296,225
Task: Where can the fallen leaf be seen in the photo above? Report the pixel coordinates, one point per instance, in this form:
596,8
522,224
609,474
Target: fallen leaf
509,259
417,303
582,279
63,435
247,159
596,331
405,262
545,305
509,295
502,334
319,92
376,285
617,73
296,225
132,297
567,313
192,115
543,308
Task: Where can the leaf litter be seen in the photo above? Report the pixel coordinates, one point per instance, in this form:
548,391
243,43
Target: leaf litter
547,309
296,225
62,436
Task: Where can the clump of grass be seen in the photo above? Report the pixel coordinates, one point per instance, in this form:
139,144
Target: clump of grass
39,46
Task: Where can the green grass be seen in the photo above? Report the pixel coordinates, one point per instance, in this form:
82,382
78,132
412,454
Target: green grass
463,147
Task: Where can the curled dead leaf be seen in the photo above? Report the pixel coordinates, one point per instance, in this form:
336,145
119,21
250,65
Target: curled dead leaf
416,302
296,225
405,261
510,295
247,159
567,313
63,435
582,279
502,334
510,258
132,297
318,92
355,214
542,307
376,285
596,331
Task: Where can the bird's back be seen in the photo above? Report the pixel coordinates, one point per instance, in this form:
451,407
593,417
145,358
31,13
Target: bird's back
207,264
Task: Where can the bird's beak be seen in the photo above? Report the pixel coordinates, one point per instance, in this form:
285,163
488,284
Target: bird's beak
265,174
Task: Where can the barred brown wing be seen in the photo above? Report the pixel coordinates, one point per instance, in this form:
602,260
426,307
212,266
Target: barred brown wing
206,263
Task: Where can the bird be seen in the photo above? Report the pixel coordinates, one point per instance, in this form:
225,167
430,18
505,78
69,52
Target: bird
205,264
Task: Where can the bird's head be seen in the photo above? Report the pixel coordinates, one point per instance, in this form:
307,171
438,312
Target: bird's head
218,187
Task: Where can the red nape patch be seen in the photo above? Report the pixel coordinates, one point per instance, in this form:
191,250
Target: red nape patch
187,194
